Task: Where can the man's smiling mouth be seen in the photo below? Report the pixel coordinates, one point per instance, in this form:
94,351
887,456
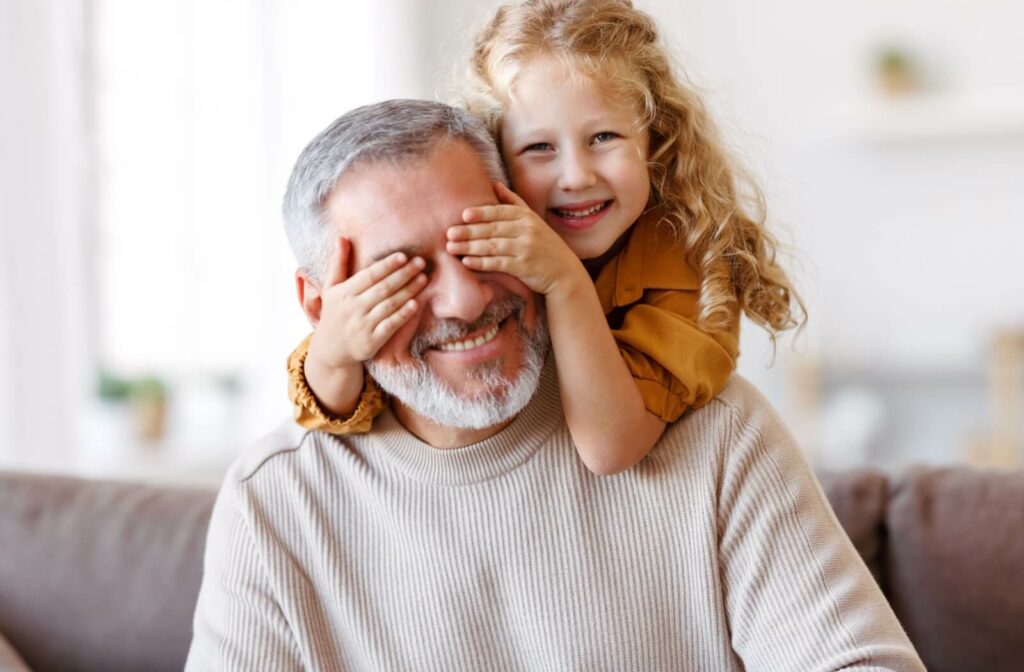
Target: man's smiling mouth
469,343
457,336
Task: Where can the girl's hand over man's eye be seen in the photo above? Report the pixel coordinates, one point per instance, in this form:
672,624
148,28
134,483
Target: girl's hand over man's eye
511,238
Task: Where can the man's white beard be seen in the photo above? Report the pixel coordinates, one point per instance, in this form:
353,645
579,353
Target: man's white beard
416,386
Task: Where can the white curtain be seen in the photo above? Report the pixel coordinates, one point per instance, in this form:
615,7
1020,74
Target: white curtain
203,107
141,231
45,222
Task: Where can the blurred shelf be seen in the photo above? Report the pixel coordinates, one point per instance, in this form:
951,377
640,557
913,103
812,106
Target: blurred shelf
934,117
160,469
902,376
146,466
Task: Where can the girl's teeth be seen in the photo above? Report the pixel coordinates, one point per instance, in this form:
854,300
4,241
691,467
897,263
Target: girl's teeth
470,343
581,213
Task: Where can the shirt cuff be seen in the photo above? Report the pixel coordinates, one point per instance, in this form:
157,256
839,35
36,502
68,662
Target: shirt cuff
310,414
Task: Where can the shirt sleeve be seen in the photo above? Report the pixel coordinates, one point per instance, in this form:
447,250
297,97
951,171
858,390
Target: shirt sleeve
310,414
238,622
797,594
676,364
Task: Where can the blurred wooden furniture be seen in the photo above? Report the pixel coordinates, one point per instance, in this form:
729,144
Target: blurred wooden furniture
1003,446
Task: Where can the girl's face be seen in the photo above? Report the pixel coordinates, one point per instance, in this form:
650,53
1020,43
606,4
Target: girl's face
575,157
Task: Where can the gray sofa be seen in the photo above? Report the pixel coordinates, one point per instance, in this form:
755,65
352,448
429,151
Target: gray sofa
104,575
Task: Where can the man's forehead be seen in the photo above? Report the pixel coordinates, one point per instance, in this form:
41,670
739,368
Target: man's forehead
383,208
416,226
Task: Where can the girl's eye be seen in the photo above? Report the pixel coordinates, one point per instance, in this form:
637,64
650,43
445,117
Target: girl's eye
605,136
537,147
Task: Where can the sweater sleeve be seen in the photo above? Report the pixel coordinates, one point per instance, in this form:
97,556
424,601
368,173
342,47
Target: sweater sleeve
238,622
797,595
310,414
675,364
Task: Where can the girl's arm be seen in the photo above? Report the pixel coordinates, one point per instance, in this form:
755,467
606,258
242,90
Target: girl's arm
605,412
612,428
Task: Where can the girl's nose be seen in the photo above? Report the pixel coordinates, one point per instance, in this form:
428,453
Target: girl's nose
577,173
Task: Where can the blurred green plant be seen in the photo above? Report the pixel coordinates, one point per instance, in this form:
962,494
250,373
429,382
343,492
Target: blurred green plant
895,69
112,388
143,399
149,388
893,59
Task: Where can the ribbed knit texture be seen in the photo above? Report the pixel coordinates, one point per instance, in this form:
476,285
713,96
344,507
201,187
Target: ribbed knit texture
378,552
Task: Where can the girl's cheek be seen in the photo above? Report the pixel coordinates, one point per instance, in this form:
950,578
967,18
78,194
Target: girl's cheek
533,183
524,189
536,204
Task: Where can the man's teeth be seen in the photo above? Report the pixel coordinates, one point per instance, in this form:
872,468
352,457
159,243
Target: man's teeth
580,213
471,342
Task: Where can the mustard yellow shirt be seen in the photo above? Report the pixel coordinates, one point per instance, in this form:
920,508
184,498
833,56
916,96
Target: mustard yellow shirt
649,295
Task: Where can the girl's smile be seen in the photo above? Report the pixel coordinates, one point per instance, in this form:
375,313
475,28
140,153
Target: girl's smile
577,158
579,216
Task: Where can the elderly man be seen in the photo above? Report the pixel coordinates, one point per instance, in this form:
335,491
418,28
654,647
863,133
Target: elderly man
462,532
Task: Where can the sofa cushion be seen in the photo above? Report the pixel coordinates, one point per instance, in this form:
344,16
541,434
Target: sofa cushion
955,566
81,587
858,498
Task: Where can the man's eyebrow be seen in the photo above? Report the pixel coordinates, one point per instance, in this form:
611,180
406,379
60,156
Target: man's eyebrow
409,253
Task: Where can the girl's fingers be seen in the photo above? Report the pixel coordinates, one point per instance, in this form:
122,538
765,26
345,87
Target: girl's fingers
490,264
391,283
337,268
491,213
396,300
499,229
375,272
387,327
485,247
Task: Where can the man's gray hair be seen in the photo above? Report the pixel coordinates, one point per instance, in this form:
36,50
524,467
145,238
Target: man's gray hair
396,132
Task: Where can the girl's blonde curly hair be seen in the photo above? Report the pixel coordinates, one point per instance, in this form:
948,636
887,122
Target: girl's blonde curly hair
710,202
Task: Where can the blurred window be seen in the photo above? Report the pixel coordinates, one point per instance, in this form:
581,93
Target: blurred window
185,200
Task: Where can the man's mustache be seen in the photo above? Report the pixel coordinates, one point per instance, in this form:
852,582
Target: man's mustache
449,330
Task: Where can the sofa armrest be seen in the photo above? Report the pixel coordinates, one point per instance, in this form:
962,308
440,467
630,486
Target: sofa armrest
99,575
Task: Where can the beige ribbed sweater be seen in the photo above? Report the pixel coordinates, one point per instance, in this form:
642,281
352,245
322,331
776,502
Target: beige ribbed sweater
379,552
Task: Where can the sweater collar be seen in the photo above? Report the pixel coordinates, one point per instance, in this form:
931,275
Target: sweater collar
505,451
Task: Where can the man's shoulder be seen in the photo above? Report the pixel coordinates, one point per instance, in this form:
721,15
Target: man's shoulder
739,407
285,439
743,400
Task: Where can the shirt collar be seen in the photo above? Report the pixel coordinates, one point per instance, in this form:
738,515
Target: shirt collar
652,258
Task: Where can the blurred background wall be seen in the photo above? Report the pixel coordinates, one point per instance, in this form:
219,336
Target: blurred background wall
146,293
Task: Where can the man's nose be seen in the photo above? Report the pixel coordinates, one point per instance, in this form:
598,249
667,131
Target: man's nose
577,173
457,293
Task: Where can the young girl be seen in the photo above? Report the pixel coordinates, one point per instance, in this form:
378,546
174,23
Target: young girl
626,213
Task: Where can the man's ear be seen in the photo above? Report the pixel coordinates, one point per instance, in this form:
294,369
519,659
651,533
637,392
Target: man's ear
309,296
